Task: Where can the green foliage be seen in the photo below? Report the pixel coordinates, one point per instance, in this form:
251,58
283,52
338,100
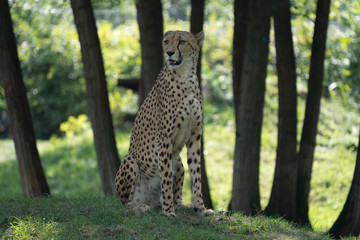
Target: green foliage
217,60
94,217
48,52
342,63
121,50
123,105
75,126
50,57
121,54
116,11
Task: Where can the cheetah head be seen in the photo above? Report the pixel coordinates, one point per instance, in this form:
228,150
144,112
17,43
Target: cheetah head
181,47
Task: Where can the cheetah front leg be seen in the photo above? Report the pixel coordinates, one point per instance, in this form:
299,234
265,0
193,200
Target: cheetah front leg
165,163
194,158
178,182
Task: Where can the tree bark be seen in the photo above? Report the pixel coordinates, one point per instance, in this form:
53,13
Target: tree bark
348,223
312,110
239,40
283,195
245,193
33,180
150,20
97,95
196,26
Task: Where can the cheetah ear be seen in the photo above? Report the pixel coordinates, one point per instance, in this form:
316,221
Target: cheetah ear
199,38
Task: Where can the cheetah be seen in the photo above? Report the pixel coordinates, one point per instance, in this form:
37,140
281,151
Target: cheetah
152,173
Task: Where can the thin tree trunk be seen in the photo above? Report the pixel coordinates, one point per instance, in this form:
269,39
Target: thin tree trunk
245,193
150,20
348,223
239,41
196,26
97,95
283,194
312,110
33,180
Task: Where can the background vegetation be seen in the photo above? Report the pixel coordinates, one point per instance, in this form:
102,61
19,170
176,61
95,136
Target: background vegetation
50,56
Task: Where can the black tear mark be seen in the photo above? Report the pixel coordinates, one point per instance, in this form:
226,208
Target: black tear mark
180,56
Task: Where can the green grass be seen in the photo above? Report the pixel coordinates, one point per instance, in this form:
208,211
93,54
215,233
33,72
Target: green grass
99,217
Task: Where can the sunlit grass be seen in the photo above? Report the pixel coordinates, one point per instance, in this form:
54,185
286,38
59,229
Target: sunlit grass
31,228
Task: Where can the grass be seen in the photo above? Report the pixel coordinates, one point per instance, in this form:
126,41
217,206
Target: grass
71,168
99,217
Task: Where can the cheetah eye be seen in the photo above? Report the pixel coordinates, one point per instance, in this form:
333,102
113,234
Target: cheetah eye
166,42
182,42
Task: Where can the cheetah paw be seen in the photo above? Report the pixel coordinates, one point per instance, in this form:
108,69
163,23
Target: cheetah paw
183,205
170,214
139,207
206,212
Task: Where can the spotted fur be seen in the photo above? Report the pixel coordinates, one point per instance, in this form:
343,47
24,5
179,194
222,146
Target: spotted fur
152,173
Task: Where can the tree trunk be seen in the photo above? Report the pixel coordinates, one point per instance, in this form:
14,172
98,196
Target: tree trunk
348,223
150,20
240,24
239,41
245,193
97,95
283,195
312,110
196,26
33,180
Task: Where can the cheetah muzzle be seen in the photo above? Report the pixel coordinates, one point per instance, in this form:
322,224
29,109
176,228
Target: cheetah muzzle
152,173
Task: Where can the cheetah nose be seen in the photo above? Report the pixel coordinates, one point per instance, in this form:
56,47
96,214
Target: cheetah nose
170,53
